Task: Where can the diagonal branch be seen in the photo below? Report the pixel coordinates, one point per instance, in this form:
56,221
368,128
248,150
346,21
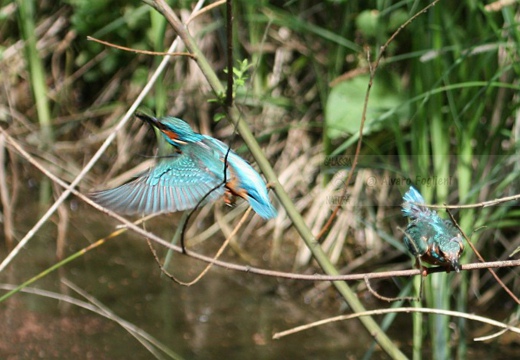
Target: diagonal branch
372,69
399,310
298,222
94,158
477,253
248,269
229,37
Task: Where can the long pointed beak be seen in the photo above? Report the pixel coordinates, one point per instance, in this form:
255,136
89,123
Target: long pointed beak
150,120
171,135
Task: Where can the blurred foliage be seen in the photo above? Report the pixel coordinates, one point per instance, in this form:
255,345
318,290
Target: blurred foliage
120,22
444,103
344,109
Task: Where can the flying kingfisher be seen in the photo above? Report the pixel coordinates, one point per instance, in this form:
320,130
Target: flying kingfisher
427,236
202,166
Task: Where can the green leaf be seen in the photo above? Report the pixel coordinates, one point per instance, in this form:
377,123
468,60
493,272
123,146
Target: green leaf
344,106
218,116
367,22
397,18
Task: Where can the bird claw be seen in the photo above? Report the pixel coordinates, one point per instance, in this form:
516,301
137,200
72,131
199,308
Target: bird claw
229,198
423,269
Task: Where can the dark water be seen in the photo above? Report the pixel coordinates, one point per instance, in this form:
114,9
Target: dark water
227,315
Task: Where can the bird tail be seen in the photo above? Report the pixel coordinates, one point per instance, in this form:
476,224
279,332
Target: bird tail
413,210
261,205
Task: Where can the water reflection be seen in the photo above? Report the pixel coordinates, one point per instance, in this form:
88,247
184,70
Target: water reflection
226,315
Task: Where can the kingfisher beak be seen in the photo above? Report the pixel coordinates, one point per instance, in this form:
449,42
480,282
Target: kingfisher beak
154,122
150,120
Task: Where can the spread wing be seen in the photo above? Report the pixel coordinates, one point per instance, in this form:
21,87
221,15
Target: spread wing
172,185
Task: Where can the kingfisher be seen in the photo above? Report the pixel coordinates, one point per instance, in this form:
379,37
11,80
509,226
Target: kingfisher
428,237
202,167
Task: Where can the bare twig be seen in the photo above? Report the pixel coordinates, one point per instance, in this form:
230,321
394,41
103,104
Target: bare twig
482,319
63,226
389,299
146,52
231,266
192,211
6,198
229,37
205,9
373,70
476,205
93,160
351,74
491,336
149,342
209,265
509,292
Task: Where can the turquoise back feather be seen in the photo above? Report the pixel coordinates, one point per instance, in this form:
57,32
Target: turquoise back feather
428,236
181,181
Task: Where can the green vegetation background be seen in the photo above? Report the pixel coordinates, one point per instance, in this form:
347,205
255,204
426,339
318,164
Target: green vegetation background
443,115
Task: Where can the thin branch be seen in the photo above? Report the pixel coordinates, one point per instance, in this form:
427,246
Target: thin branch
5,198
482,319
491,336
205,9
482,204
133,226
509,292
146,52
94,159
209,265
102,311
389,299
364,113
351,74
192,211
229,37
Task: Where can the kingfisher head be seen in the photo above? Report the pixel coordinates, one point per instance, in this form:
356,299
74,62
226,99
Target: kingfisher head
176,131
451,251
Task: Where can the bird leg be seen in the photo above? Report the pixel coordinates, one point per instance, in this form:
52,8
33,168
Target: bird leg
229,198
418,265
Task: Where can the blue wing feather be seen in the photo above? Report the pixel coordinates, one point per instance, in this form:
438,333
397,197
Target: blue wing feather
172,185
180,183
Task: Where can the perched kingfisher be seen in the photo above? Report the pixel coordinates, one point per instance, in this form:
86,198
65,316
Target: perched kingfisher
179,181
434,240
